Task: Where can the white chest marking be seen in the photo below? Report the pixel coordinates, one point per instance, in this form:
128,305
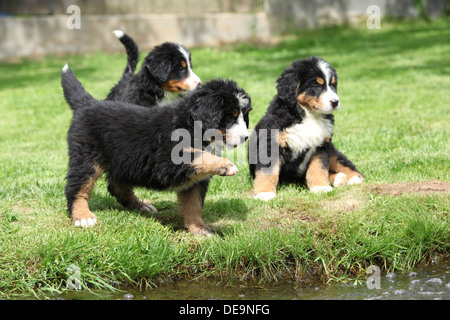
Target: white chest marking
309,134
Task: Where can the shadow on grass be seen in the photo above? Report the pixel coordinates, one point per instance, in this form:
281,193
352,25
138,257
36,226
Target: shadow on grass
168,213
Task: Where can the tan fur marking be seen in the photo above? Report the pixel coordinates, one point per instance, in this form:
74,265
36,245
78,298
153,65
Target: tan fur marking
316,175
309,102
176,85
320,81
191,210
333,80
80,207
266,181
183,64
282,139
207,163
336,167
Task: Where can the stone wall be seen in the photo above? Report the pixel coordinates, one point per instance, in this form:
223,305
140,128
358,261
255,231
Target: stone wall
155,21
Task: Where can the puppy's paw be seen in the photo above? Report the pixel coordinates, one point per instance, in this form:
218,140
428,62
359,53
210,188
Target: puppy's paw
201,231
340,179
85,222
318,189
229,169
265,196
356,180
146,207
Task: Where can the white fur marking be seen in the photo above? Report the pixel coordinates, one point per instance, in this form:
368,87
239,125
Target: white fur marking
265,196
237,133
231,171
355,180
309,134
118,33
243,101
193,80
85,223
329,95
340,179
325,67
65,68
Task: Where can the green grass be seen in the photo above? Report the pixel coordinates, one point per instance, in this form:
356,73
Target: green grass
393,85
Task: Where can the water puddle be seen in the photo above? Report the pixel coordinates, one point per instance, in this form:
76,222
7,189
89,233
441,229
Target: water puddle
425,283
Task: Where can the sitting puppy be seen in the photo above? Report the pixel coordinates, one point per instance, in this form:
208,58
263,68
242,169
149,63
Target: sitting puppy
297,130
135,146
165,72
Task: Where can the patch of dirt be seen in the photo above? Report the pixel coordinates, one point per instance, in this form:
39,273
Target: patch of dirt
346,203
424,187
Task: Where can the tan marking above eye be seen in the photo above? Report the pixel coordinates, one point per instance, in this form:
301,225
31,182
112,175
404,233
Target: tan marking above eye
235,113
333,80
320,81
183,64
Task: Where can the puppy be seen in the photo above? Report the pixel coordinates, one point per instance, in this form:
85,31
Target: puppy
297,130
166,72
137,146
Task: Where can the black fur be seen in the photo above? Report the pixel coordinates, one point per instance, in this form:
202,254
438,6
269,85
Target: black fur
146,88
133,144
286,111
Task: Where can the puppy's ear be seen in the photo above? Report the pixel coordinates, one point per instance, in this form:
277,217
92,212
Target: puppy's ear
287,86
159,67
207,108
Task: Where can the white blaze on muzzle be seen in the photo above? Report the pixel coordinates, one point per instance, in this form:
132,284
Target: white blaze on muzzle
193,80
238,132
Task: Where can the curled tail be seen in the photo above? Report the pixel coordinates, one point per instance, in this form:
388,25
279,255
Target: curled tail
74,92
131,49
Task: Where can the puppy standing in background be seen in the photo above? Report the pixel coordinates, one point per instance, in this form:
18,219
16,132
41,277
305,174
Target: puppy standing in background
133,145
165,73
301,114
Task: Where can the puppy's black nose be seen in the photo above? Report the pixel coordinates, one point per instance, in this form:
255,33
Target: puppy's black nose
334,103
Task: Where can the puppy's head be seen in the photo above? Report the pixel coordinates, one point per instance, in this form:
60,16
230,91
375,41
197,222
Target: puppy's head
223,109
171,65
311,83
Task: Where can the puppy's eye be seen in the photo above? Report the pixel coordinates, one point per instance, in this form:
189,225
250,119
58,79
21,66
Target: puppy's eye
235,113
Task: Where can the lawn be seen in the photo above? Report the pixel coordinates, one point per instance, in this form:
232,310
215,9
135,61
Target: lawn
394,125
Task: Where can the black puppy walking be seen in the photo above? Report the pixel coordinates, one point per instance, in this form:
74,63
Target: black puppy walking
134,146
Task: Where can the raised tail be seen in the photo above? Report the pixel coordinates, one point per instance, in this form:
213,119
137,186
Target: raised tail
73,90
131,49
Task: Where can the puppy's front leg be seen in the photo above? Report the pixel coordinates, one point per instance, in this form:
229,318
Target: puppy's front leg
317,178
266,181
191,207
206,163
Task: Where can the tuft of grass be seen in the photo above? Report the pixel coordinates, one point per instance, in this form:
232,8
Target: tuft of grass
393,125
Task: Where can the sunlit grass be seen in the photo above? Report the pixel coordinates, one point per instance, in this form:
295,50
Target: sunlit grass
393,84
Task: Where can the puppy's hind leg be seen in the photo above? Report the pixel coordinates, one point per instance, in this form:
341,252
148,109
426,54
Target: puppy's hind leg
342,170
125,196
78,191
